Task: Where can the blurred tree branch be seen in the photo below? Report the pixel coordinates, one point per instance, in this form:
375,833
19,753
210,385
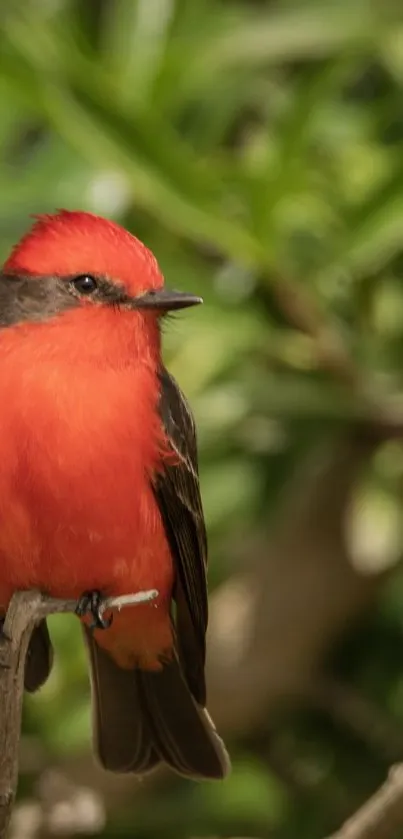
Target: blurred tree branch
382,815
271,627
304,312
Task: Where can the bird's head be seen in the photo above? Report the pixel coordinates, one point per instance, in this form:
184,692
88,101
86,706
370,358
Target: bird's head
75,262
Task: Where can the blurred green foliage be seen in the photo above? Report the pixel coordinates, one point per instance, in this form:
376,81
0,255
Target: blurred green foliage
257,148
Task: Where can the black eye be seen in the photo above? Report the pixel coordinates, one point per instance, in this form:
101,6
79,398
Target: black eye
85,284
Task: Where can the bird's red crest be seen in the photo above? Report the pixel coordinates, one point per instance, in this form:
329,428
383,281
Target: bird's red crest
69,243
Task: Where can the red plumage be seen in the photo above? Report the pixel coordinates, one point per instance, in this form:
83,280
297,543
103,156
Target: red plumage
76,242
70,522
98,482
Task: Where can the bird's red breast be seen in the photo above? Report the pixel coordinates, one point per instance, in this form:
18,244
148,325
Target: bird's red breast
80,440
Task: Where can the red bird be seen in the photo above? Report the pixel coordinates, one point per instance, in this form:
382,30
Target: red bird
99,488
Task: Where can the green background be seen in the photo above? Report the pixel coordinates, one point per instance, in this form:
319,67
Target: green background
257,148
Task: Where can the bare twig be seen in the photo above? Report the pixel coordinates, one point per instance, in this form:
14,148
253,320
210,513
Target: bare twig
26,609
382,815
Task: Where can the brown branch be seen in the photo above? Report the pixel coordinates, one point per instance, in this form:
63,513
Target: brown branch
382,815
26,609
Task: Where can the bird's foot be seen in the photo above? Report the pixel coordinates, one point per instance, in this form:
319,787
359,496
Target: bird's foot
90,603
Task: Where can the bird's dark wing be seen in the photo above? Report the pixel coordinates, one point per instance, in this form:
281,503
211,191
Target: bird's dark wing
178,496
144,717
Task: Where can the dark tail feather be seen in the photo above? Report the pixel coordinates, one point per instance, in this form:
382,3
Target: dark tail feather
183,733
39,659
143,717
121,734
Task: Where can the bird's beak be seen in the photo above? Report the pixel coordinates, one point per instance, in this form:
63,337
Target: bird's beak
165,300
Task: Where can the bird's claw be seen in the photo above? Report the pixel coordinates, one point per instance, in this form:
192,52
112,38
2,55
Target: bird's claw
90,603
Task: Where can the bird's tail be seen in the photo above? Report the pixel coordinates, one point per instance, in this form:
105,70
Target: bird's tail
39,660
142,718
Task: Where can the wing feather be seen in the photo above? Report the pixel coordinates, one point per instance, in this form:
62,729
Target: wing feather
178,495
